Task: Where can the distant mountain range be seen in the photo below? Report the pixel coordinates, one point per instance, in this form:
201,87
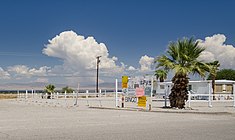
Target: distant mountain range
41,86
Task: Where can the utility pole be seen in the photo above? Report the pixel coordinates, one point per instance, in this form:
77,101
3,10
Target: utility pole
97,74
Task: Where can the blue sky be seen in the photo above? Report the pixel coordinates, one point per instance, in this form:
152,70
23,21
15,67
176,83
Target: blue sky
130,29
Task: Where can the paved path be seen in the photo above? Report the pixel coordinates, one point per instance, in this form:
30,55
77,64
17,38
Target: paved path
30,121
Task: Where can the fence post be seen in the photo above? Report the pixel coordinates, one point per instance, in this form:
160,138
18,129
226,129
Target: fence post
18,94
189,99
87,91
76,101
26,94
166,93
32,93
234,95
209,102
165,97
100,93
52,95
116,93
73,94
151,95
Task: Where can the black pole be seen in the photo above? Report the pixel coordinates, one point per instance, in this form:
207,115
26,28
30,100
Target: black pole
97,74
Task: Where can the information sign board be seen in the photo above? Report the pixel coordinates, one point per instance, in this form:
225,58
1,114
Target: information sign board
139,92
124,81
142,101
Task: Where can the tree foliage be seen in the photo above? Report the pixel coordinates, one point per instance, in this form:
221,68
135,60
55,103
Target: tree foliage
161,74
67,89
50,88
213,67
225,74
182,57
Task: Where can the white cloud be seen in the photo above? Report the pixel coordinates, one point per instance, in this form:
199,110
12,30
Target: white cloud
131,68
22,70
19,69
78,52
42,80
216,49
4,74
146,63
79,56
42,71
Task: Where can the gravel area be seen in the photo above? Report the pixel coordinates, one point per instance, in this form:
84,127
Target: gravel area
30,120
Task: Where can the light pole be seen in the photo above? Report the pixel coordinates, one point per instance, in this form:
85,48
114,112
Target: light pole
97,74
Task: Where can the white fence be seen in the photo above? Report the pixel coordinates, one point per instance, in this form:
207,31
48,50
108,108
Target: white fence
118,99
68,99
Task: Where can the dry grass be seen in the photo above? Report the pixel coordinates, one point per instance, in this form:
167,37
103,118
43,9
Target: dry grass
8,96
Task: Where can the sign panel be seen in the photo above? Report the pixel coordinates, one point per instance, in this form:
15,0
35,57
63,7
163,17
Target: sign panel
124,85
142,101
147,91
124,81
139,92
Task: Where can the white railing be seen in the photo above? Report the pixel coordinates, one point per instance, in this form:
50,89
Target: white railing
117,97
68,99
195,97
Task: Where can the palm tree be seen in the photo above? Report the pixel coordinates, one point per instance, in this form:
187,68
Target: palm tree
161,74
181,57
67,89
49,89
213,68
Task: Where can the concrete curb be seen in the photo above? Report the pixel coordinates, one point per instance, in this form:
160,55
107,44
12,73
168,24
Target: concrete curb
166,111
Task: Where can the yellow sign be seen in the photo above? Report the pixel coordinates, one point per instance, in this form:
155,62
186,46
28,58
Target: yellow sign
124,81
124,85
142,101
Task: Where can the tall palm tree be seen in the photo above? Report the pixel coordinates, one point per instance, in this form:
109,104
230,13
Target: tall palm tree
161,74
181,57
213,68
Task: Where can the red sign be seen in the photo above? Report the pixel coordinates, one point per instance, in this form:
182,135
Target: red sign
139,92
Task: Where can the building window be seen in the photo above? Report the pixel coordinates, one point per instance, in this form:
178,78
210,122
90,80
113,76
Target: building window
162,86
189,87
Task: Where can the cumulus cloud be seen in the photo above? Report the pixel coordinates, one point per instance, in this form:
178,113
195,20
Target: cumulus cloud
216,49
4,74
42,80
78,52
79,55
146,63
22,70
131,68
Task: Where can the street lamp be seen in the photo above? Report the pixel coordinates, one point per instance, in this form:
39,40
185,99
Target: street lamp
97,74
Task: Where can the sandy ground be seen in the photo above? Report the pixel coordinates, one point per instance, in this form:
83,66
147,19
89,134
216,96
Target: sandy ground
8,96
27,120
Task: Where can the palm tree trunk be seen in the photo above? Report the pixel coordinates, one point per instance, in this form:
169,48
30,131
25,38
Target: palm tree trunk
179,92
213,87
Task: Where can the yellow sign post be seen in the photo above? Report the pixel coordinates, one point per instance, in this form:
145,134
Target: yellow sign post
124,81
142,101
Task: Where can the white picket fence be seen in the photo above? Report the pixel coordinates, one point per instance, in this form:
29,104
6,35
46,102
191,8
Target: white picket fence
117,99
67,99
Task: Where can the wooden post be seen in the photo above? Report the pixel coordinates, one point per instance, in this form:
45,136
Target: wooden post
209,102
116,93
234,95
